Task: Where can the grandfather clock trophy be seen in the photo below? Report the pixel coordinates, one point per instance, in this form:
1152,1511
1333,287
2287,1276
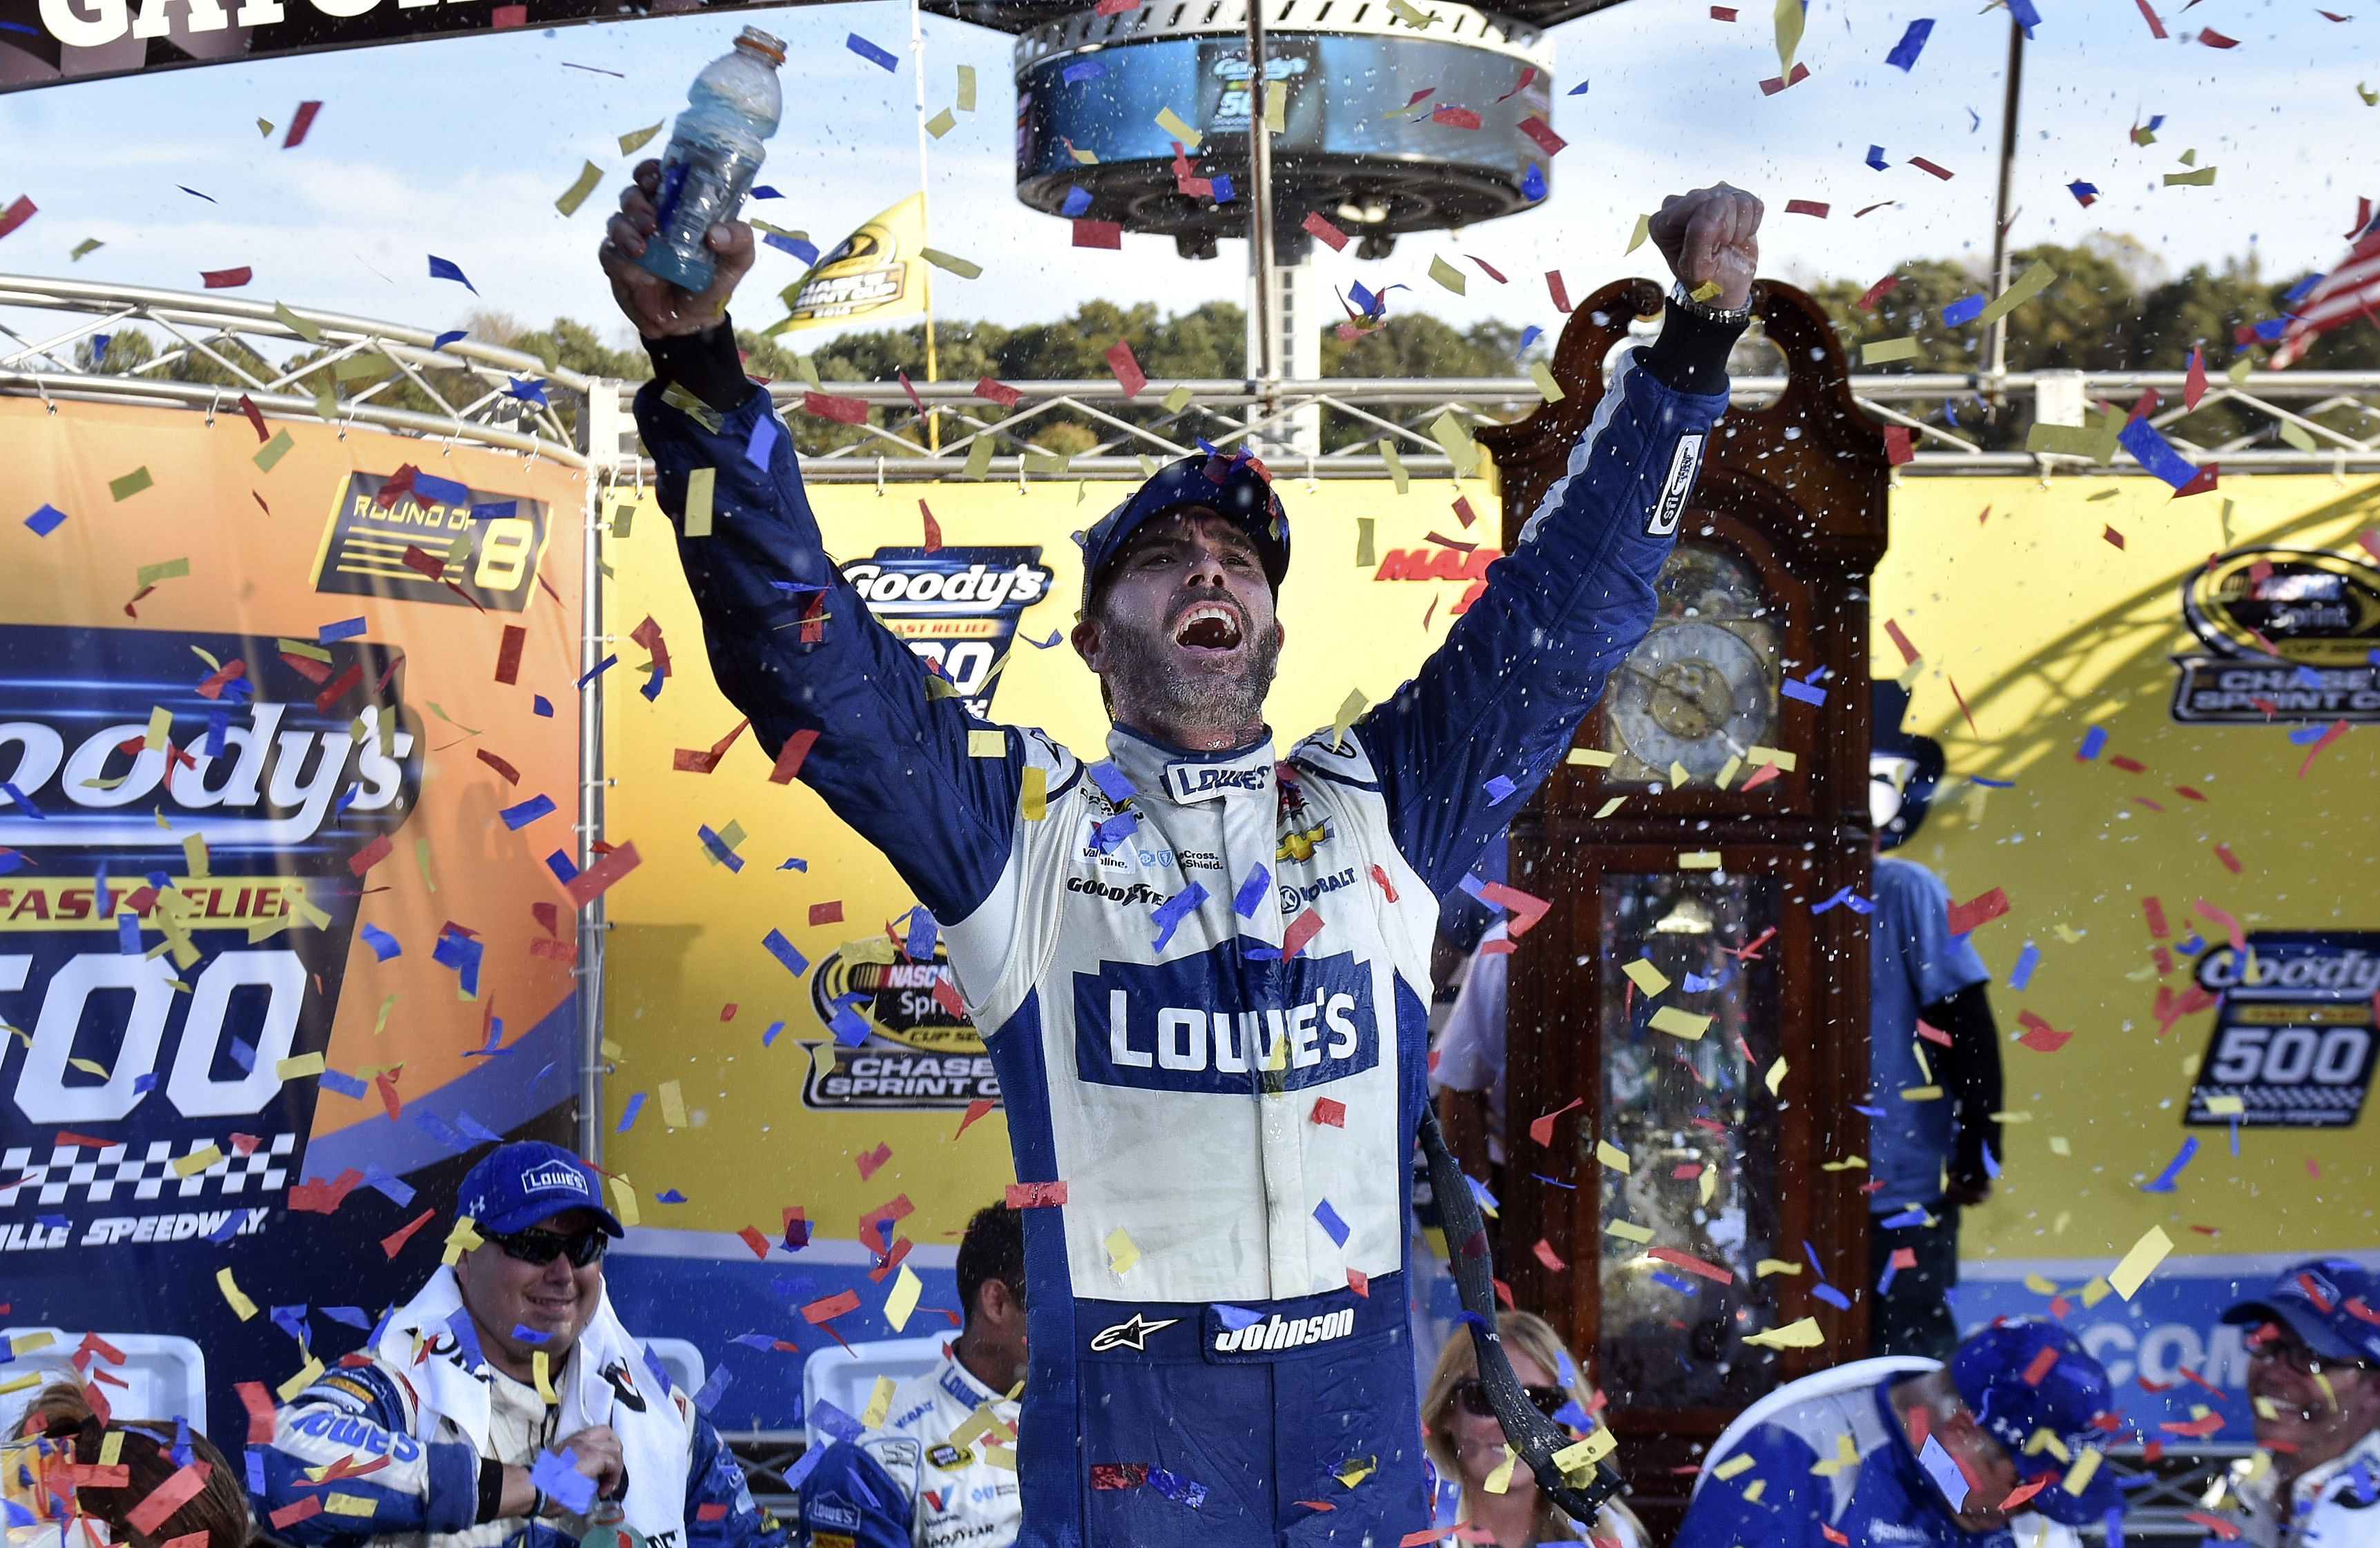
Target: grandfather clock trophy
1693,987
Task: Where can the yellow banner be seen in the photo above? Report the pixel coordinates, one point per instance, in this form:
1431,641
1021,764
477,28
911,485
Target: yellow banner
873,275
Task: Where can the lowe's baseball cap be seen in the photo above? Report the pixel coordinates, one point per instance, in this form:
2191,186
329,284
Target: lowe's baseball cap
1239,487
2033,1387
2331,1303
515,1186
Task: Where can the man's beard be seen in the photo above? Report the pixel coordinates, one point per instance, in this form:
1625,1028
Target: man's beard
1144,678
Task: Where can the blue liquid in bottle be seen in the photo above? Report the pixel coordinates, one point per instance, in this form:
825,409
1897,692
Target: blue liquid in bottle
714,152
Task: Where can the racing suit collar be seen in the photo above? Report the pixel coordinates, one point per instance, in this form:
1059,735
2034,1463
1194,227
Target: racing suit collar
1186,776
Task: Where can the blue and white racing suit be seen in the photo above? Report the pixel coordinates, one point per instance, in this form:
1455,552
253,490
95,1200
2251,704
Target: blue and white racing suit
1217,1315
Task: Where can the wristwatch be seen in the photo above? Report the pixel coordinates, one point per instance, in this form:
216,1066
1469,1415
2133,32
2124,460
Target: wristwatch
1731,317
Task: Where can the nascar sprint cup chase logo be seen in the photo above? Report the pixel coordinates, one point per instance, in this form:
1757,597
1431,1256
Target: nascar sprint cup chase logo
2293,1036
177,812
956,607
899,1033
2290,634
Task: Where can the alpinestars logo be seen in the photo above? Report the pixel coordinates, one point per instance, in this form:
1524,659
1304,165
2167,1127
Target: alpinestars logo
1131,1334
955,607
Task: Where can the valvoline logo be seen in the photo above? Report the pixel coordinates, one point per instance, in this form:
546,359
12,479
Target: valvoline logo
956,607
1186,1025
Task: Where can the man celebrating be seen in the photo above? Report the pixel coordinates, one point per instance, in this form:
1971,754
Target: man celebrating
506,1403
1211,1038
2314,1374
936,1476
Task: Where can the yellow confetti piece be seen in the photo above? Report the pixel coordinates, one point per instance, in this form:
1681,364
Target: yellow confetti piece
1033,799
2046,1440
304,1063
998,1457
673,1097
1727,771
1499,1478
1548,388
1613,1156
131,483
1735,1467
1680,1023
1348,710
1786,761
543,1377
879,1401
1699,859
197,1161
1776,1077
1921,1094
1454,437
822,1059
1636,238
1587,756
1768,1267
1887,350
942,123
1170,122
308,1374
1628,1230
2028,285
1647,979
1845,1165
2097,1291
966,88
170,570
1355,1470
903,1301
2225,1106
89,1066
1608,808
2078,1478
2140,1262
1396,465
194,851
1448,274
636,140
461,1240
1804,1334
241,1305
624,1201
1411,15
2202,178
2058,1145
421,859
576,194
701,485
346,1504
1581,1455
1707,291
32,1379
1751,1494
1709,1184
2040,1284
1790,20
987,744
1122,1251
1365,555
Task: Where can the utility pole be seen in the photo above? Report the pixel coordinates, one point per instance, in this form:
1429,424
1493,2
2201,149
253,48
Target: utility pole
2001,214
1268,361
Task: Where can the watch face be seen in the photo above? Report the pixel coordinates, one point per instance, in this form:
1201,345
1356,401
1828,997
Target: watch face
1701,689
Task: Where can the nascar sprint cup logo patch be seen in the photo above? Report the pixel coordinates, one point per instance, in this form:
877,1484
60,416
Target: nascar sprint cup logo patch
955,607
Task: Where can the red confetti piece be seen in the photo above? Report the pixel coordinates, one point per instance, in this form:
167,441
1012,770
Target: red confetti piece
394,1243
258,1401
2157,27
1488,269
946,995
2337,729
17,214
1878,291
511,774
1360,1282
1525,909
1549,1257
1381,876
1924,165
1775,84
1319,226
827,913
371,855
1330,1112
2230,861
755,1240
819,1312
790,756
1114,8
872,1162
2214,39
2214,915
1464,514
1966,916
2039,1035
1119,1475
997,391
1722,13
933,527
1901,641
1538,129
227,279
1036,1196
1690,1263
301,124
171,1495
1807,207
2044,1362
1454,117
976,1109
1541,1128
1559,293
1104,234
508,653
338,688
1128,374
599,878
842,411
713,1511
2023,1493
1900,445
554,951
686,760
1301,930
296,1511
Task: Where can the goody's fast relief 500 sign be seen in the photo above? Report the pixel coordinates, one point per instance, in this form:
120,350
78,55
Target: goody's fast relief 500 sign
286,733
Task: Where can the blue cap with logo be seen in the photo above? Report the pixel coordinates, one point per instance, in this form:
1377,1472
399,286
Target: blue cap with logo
2023,1377
515,1186
1238,487
2332,1304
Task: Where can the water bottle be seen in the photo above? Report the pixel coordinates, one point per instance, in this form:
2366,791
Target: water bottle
714,153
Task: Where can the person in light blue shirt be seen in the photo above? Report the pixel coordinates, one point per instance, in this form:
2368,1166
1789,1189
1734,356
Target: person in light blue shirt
1934,1062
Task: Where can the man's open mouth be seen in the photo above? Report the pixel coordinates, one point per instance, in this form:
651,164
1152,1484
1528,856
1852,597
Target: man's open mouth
1208,627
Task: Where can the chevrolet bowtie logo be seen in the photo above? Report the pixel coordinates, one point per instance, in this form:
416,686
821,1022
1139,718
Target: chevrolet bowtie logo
1133,1335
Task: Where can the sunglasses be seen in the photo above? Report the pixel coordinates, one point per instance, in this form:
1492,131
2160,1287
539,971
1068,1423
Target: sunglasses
1473,1396
541,1248
2302,1359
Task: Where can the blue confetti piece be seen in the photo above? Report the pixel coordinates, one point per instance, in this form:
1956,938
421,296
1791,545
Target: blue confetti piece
128,935
496,510
541,704
669,1195
1499,789
799,247
345,1084
212,199
871,52
1578,91
1836,901
1475,1320
760,1341
1859,905
218,731
559,1477
850,1028
1964,310
1481,1195
51,1222
1832,1297
22,801
923,932
762,190
453,335
1078,201
462,954
1256,951
652,689
628,1116
441,268
11,861
2027,960
45,520
1471,884
1573,1415
2025,15
1105,835
1333,1227
2309,735
1236,1317
1048,644
1111,783
2095,741
1174,1487
1252,892
347,797
352,1316
762,444
714,1387
1884,1281
529,1335
1222,188
1088,69
1876,157
384,945
563,870
1991,784
1804,692
2301,289
2308,678
1944,1471
718,847
1529,336
1991,1164
255,1484
1663,1276
795,863
771,1035
829,1419
1697,984
2166,1178
440,1130
228,1229
1914,1215
1170,914
1555,1182
786,952
1912,42
599,669
431,490
2084,193
1533,183
1866,1111
2155,453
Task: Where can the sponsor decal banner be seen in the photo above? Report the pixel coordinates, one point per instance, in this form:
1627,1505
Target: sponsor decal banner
272,968
2289,635
955,607
2292,1043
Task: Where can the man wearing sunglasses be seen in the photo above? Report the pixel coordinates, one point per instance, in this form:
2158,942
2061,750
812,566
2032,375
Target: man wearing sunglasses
505,1404
2313,1376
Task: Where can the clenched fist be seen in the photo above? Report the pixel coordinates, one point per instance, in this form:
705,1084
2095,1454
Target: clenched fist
1711,235
657,308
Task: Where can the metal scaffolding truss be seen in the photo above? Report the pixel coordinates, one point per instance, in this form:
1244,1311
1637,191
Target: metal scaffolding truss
287,361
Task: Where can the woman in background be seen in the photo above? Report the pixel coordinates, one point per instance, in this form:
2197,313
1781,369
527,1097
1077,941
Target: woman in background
60,1430
1466,1444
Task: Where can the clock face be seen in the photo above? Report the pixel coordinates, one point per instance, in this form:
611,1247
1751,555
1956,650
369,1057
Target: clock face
1701,689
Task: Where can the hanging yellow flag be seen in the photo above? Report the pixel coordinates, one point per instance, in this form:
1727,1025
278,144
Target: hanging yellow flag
873,274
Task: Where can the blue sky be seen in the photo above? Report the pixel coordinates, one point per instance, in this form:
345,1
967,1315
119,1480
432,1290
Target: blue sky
458,147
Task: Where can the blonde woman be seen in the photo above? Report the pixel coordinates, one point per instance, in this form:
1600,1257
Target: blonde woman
1466,1444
